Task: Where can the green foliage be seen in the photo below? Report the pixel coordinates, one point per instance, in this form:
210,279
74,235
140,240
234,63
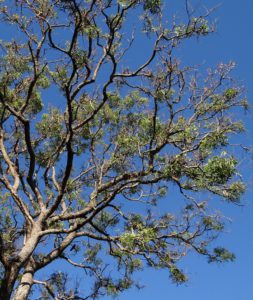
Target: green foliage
153,6
231,93
234,191
177,275
220,255
142,237
213,141
219,170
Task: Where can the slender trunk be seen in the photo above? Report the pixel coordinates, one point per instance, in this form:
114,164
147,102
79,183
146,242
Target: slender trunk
26,283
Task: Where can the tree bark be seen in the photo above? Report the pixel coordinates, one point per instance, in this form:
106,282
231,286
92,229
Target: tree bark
23,259
26,283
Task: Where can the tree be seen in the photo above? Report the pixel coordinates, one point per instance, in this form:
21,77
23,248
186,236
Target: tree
91,143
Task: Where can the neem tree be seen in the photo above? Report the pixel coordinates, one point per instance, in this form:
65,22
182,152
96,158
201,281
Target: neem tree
90,143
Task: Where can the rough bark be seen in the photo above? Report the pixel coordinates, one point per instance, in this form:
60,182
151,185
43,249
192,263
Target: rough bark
25,285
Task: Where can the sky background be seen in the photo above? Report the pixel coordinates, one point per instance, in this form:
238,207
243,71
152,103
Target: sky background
233,40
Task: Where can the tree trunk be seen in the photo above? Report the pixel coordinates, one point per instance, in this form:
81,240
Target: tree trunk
26,283
25,260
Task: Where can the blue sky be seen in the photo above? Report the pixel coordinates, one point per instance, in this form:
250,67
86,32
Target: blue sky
233,40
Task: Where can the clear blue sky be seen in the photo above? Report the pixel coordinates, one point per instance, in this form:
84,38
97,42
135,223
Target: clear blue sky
232,41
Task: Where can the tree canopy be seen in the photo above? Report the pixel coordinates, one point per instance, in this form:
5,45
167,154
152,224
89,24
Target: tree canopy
107,163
